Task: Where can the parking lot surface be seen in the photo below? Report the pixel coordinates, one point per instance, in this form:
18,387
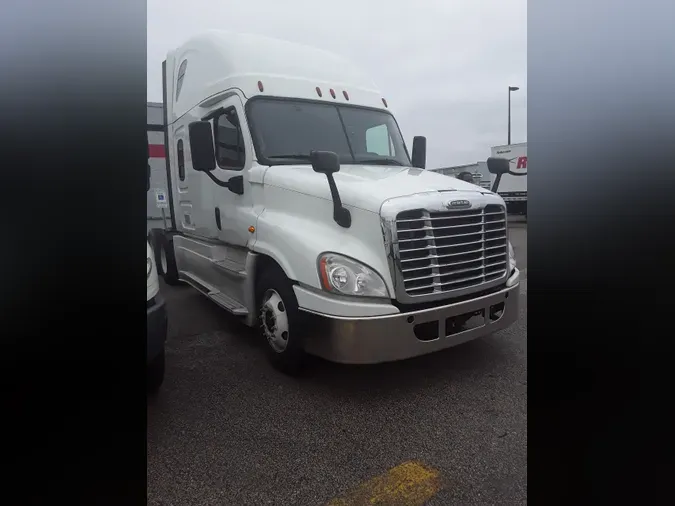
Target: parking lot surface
228,429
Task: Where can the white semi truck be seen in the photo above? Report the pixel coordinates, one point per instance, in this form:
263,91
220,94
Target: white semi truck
293,204
513,185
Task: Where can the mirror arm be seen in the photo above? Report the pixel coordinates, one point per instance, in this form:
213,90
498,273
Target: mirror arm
341,214
223,184
495,185
327,163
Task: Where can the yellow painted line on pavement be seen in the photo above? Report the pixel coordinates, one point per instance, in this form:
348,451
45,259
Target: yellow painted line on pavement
408,484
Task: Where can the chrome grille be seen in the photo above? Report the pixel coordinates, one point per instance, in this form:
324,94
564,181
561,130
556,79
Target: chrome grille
447,251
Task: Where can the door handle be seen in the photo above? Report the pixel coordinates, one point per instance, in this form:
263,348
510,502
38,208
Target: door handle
218,218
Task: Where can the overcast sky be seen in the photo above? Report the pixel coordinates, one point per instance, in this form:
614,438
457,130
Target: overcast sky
443,65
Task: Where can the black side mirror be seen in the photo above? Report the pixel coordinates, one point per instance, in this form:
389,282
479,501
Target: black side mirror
328,163
419,152
201,146
148,182
465,176
325,162
498,165
236,185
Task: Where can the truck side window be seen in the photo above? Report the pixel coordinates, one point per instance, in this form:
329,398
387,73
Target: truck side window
181,76
230,153
181,160
378,141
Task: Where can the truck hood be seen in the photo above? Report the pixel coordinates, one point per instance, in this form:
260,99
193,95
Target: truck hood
365,186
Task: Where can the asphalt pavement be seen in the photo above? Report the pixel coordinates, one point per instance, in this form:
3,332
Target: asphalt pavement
227,429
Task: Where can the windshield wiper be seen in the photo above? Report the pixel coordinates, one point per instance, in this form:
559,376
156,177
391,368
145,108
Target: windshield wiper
380,161
299,156
373,161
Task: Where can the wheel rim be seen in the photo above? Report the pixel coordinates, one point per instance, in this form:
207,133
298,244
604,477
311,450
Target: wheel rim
162,259
274,321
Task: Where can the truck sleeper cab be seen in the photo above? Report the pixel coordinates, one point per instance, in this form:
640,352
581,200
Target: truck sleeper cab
295,205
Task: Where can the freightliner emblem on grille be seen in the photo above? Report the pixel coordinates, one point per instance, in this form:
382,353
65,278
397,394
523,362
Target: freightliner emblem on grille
457,204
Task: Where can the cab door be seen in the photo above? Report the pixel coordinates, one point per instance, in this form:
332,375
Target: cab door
233,213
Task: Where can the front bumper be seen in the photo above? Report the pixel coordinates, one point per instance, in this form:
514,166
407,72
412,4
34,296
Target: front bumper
395,337
157,326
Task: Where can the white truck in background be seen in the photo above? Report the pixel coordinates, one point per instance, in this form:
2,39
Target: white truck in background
293,203
513,186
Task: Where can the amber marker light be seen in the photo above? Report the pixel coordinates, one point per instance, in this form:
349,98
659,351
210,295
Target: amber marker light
324,275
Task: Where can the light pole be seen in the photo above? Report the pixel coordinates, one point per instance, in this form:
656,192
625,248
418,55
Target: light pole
511,88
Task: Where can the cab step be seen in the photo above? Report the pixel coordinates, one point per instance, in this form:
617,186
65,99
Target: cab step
224,301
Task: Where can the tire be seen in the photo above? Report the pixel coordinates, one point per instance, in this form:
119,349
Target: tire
155,374
281,322
155,244
166,260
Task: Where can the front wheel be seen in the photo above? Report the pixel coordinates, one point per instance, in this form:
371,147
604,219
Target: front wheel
280,322
167,261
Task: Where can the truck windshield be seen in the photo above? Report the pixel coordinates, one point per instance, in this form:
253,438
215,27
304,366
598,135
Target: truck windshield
285,132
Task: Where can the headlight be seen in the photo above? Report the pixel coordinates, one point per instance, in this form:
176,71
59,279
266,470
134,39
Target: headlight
149,266
512,257
345,276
